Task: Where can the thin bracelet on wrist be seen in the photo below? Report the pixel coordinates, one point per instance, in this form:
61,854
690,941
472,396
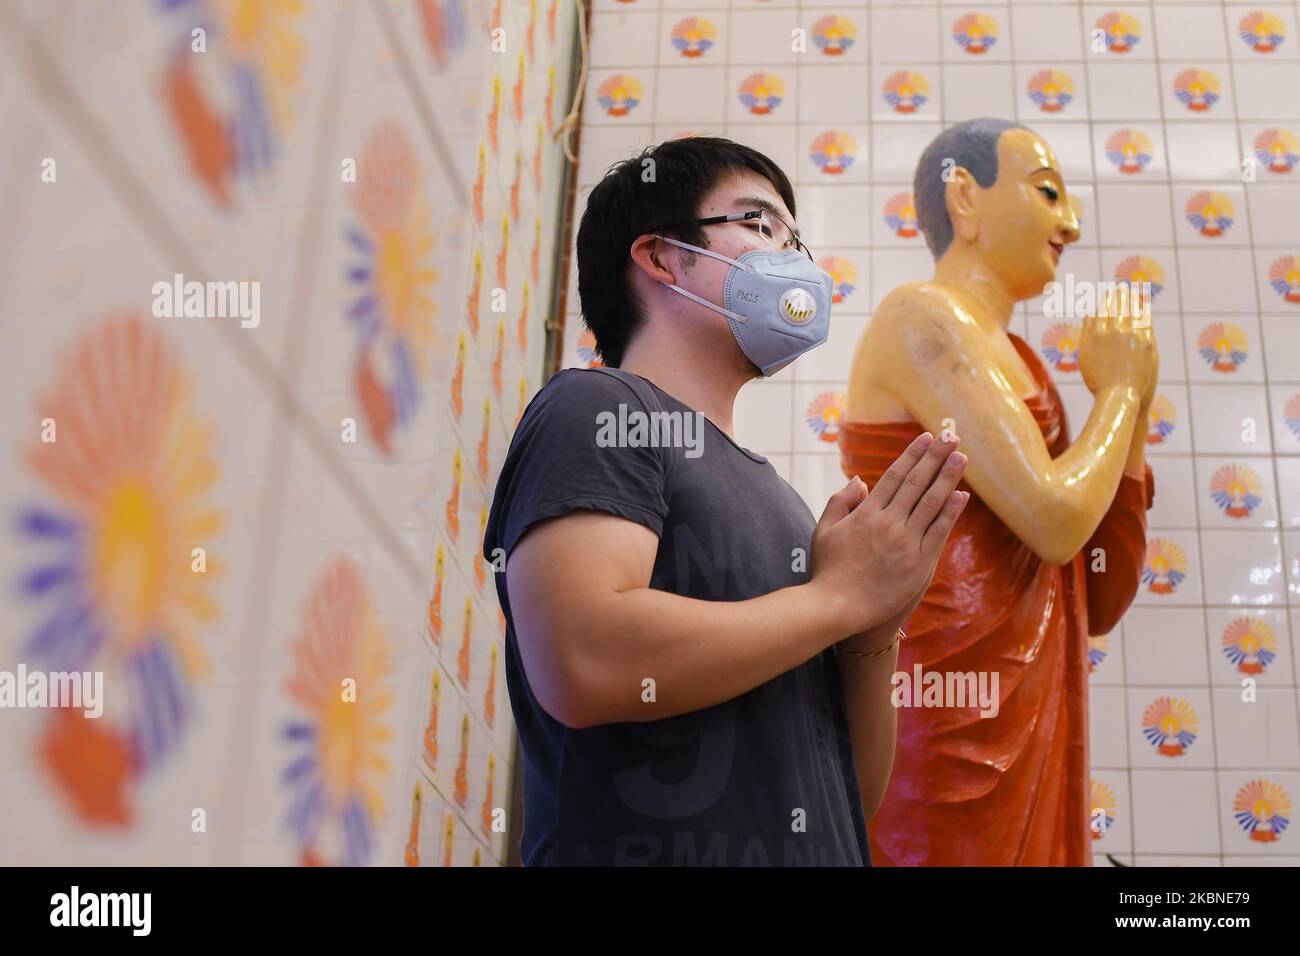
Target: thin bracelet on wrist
898,636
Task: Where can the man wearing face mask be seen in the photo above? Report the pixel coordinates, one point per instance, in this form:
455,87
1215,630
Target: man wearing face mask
699,669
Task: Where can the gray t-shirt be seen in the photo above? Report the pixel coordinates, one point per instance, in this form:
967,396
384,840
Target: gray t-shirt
766,778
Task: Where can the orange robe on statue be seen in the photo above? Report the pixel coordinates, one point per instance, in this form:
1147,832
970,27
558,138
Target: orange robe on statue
1009,790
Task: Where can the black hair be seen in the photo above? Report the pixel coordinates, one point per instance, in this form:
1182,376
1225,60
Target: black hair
973,145
660,190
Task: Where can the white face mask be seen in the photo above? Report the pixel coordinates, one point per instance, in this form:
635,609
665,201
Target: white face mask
778,303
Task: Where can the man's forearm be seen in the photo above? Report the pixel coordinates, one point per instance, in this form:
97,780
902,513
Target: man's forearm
697,653
872,719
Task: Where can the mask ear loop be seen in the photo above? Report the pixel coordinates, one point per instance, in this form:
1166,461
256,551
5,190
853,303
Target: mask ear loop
734,316
707,252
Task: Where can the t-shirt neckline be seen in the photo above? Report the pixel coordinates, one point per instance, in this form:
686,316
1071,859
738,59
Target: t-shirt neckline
752,455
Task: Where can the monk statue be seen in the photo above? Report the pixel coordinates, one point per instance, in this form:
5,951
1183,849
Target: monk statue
1050,547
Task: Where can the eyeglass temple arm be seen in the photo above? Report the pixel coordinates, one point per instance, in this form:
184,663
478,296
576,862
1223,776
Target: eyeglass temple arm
731,217
737,217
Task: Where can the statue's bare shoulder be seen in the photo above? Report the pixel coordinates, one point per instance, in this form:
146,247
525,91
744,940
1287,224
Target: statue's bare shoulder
923,329
923,305
916,324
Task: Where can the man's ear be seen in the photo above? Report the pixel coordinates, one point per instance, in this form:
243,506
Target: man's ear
959,197
647,253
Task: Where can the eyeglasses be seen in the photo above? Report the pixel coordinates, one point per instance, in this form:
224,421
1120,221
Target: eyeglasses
764,221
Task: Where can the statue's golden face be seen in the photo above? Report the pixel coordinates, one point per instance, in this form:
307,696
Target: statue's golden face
1025,219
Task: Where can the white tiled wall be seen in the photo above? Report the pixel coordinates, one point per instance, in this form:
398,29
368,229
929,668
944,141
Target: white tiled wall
1167,808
